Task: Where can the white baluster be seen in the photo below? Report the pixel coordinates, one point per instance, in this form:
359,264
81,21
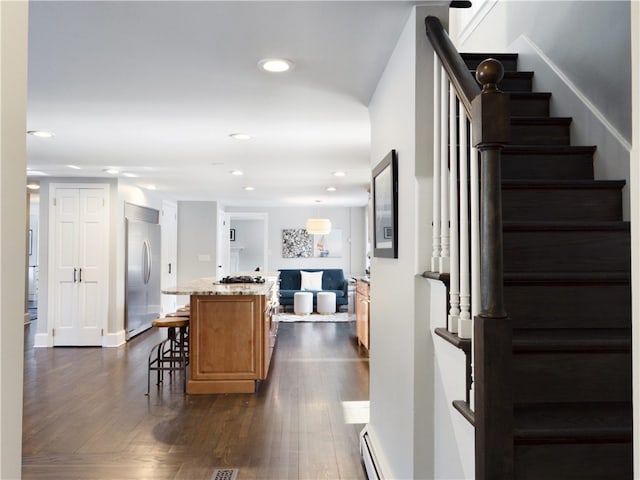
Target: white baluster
475,232
444,175
454,277
465,324
435,255
475,252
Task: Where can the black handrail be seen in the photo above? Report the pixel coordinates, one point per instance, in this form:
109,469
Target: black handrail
466,88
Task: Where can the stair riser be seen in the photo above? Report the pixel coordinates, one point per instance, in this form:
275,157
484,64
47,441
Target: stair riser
509,62
547,167
568,306
560,205
539,135
576,462
512,84
572,377
518,84
529,107
567,251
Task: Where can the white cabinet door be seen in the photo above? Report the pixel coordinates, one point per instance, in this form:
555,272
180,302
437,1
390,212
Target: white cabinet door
79,300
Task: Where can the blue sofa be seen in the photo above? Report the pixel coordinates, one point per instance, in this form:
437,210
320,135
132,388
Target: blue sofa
332,281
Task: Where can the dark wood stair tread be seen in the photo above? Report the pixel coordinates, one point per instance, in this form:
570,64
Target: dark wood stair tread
586,340
541,120
552,184
463,344
565,226
547,149
573,423
567,278
529,95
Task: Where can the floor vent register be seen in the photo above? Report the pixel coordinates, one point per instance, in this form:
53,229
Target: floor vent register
225,474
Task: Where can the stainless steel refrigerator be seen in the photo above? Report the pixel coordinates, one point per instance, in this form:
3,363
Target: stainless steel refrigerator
142,300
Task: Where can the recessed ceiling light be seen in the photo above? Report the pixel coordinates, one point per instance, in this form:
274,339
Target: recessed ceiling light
130,175
75,167
240,136
33,186
331,189
112,171
40,133
249,189
149,187
339,174
275,65
237,172
36,173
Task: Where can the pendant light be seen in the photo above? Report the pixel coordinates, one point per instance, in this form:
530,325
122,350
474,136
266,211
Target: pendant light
318,226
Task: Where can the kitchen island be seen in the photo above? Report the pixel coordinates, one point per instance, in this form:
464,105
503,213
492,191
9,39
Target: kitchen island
232,334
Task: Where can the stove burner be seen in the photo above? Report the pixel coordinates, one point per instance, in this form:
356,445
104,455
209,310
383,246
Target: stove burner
242,279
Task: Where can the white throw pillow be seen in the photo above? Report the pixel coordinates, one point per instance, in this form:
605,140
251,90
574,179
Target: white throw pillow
310,280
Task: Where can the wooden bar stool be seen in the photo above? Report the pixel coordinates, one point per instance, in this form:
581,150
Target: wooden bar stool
172,354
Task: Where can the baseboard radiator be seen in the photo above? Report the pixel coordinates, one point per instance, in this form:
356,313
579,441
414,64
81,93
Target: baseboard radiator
371,466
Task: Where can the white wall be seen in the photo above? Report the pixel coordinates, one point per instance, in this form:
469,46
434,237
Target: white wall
577,55
454,444
401,424
197,240
13,214
351,221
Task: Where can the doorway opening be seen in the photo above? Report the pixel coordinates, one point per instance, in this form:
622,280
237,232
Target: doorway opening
33,256
248,242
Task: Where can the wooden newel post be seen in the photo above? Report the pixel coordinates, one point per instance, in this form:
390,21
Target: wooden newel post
492,373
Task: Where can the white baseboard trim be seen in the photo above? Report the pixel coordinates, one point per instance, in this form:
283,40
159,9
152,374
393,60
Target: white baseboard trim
42,340
372,467
114,339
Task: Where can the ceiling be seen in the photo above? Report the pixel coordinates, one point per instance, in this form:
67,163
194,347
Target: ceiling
154,89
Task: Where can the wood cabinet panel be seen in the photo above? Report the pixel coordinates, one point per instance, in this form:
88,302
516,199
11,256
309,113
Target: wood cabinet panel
231,342
237,322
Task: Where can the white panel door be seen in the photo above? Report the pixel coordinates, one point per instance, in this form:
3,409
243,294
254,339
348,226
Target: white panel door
169,224
92,309
80,291
66,210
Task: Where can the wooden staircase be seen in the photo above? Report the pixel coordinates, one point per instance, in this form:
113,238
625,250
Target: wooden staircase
567,291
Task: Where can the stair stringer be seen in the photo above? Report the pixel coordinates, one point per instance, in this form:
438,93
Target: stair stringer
611,160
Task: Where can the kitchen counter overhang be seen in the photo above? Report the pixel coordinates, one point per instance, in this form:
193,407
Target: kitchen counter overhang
209,286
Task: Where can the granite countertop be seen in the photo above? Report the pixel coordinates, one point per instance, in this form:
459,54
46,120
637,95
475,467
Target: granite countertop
209,286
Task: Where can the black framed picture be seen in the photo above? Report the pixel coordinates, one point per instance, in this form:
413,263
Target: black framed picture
385,207
232,234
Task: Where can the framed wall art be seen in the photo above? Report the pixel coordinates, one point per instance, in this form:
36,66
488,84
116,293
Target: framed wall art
385,207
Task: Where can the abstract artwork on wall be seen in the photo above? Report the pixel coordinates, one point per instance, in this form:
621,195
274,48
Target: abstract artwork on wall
296,243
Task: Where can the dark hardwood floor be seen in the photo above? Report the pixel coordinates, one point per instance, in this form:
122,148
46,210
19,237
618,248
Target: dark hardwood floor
86,415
